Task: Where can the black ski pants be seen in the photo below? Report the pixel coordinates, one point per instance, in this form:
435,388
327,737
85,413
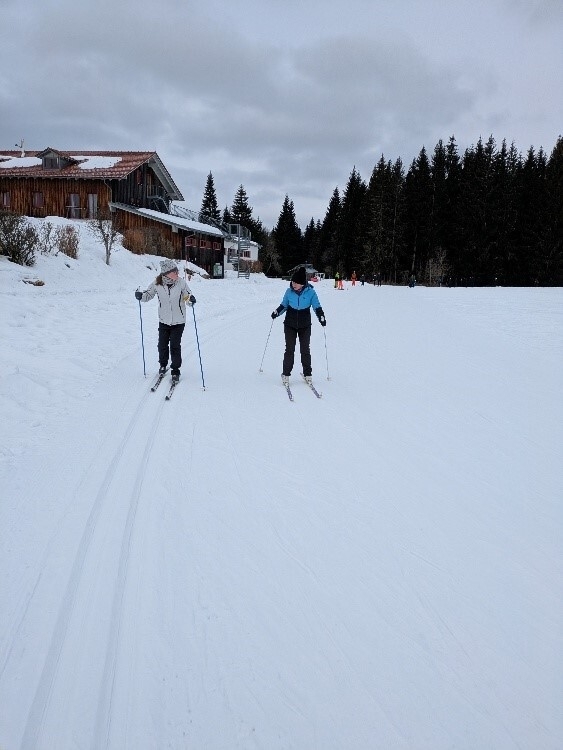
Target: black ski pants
170,338
291,335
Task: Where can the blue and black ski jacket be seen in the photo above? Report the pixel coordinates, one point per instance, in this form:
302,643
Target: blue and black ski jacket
298,306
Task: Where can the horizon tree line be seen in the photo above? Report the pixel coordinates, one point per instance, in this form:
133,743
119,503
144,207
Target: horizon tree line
488,216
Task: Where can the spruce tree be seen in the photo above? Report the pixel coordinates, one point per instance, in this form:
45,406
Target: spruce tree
209,205
311,243
418,229
328,234
349,231
476,238
552,274
531,230
241,212
288,239
501,212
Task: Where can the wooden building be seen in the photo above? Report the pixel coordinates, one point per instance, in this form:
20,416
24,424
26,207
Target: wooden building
135,186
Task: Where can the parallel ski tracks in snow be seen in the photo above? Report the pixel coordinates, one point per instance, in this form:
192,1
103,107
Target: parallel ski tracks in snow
39,711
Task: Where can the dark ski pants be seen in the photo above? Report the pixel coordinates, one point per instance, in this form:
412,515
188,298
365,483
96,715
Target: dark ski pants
170,337
291,335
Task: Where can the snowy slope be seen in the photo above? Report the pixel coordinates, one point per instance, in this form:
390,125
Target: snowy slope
378,569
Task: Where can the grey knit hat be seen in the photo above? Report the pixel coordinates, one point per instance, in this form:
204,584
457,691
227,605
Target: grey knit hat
167,265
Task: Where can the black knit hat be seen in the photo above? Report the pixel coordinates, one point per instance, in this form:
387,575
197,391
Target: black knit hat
300,276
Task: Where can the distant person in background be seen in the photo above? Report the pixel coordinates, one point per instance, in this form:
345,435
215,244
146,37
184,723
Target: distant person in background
336,279
412,281
173,295
353,277
296,303
362,279
340,283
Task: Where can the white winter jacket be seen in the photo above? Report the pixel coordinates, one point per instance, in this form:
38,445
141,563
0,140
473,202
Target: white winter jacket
172,300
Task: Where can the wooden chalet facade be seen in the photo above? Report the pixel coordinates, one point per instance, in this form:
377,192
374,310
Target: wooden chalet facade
134,185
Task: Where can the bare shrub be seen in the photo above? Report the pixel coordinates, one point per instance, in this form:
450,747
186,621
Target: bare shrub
67,240
148,240
18,238
47,239
105,229
255,266
135,241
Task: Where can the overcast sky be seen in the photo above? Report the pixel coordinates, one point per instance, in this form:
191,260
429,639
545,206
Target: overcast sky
281,96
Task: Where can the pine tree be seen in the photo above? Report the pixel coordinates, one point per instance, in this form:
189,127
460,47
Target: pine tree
380,219
328,233
269,257
531,231
552,273
311,241
418,228
349,230
476,238
227,218
209,205
501,214
241,212
287,236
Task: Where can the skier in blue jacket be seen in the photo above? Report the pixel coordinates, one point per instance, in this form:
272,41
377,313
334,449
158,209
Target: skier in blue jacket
296,303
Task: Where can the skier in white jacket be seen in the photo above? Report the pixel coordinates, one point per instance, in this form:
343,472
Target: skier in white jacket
173,295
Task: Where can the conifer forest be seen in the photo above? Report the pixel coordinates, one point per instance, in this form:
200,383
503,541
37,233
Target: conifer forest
489,216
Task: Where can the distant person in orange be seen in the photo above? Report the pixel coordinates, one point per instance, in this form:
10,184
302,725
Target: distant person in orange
340,284
353,277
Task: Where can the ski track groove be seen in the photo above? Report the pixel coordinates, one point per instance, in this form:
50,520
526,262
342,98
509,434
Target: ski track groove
31,738
102,731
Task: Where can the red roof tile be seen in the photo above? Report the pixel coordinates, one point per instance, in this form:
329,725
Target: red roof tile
128,162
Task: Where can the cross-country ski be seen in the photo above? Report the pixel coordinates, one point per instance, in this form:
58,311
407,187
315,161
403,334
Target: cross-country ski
311,386
158,381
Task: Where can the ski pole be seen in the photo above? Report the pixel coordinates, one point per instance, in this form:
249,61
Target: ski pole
269,332
326,355
198,350
142,340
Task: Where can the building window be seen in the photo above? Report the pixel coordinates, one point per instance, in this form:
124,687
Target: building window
51,162
5,200
73,206
92,205
38,201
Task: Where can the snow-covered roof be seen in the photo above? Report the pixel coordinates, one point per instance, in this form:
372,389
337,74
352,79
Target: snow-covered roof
97,162
172,220
98,165
13,162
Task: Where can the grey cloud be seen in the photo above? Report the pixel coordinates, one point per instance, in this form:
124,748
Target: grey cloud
277,112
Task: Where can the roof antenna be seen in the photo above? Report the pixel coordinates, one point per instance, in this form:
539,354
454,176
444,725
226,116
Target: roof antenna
20,146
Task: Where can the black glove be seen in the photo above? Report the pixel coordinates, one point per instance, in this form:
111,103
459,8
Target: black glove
321,316
138,295
192,299
322,321
275,314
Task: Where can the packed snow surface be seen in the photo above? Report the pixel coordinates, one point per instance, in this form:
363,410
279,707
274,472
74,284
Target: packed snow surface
380,568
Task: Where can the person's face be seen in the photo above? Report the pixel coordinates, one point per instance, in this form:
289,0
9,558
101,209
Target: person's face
296,286
173,275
